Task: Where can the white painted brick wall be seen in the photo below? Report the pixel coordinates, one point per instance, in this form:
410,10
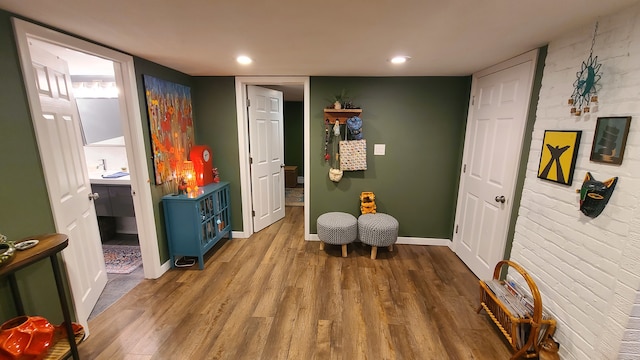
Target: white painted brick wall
630,347
588,270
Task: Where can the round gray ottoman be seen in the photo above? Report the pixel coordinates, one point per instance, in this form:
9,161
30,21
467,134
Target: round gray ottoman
378,230
337,228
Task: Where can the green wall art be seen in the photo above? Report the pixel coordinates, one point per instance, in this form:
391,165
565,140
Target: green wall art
585,93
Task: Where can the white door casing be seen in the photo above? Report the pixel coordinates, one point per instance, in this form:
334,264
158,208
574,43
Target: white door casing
266,137
134,139
497,118
243,144
57,126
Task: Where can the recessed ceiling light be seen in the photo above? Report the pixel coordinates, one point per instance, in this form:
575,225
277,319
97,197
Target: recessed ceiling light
400,59
244,60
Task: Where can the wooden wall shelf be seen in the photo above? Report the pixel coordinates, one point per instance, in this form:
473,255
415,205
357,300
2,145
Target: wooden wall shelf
340,115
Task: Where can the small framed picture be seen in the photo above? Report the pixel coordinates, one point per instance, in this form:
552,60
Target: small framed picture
558,155
610,139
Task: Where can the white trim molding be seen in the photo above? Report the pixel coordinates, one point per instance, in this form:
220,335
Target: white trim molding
132,128
404,240
243,145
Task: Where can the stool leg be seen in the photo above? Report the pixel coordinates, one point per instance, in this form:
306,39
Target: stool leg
391,247
321,245
344,250
374,252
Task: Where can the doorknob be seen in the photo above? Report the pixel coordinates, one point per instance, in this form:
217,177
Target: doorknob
500,199
281,165
94,196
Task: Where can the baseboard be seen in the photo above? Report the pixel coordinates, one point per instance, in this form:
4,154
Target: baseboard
150,273
423,241
404,240
239,235
166,266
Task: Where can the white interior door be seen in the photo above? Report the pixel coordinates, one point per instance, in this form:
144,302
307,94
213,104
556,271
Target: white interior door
495,128
57,127
266,144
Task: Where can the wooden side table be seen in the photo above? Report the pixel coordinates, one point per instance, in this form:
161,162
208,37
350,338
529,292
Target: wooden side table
49,246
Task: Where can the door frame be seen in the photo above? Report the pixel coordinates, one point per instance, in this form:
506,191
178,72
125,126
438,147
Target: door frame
132,129
523,58
243,144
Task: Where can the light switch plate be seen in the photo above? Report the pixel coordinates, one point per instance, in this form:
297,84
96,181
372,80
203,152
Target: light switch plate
379,149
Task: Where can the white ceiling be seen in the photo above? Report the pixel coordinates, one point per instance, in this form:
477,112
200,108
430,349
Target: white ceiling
332,37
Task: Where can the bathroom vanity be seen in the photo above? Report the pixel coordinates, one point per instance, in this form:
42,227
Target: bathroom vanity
115,202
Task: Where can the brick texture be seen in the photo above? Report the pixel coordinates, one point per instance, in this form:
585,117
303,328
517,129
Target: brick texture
588,270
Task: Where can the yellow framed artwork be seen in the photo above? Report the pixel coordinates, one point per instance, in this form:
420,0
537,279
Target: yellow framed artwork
558,156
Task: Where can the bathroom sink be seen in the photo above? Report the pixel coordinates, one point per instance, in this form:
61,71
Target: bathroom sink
110,178
115,175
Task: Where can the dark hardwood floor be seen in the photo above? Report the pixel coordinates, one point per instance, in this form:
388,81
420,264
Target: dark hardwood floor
276,296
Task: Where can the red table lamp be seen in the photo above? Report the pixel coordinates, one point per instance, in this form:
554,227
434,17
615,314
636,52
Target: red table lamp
202,160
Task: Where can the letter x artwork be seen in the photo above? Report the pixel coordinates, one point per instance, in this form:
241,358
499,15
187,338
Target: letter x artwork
558,156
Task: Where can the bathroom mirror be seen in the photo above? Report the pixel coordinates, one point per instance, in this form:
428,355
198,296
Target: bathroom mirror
100,119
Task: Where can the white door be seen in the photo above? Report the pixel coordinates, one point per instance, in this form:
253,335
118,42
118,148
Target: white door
495,128
57,127
266,147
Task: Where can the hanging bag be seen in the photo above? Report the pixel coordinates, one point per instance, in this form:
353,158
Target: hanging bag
353,153
335,174
354,124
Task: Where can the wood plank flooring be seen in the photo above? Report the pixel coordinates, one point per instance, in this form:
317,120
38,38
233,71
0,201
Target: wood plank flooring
276,296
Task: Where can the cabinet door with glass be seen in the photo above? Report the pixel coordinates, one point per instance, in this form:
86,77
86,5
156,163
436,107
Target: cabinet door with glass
195,222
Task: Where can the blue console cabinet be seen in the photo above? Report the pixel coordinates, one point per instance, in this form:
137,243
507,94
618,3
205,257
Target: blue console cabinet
197,221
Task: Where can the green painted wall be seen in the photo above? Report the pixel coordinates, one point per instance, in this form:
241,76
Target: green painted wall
422,122
216,125
25,208
145,67
420,119
294,135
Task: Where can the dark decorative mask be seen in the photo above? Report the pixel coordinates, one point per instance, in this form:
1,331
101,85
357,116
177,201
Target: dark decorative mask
594,195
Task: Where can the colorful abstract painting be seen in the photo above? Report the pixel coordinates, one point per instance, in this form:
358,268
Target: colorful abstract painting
558,156
171,125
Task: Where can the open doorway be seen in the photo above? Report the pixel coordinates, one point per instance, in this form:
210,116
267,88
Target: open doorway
85,244
96,96
288,85
293,142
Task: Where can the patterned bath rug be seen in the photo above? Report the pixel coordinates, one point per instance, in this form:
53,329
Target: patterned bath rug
294,196
121,259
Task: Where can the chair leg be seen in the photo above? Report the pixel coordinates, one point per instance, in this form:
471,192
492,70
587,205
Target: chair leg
321,245
344,250
374,252
391,247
